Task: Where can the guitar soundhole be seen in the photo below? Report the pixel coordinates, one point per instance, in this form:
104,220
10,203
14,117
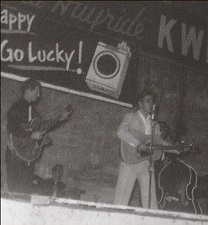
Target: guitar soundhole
143,153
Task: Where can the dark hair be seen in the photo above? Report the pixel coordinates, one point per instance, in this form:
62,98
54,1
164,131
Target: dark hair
56,167
141,96
164,125
30,84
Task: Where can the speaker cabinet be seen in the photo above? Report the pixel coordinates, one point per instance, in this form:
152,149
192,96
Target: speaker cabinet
108,69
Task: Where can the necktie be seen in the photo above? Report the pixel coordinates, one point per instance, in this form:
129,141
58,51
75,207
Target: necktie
30,113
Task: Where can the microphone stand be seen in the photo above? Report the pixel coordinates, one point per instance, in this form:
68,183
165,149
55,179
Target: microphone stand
151,162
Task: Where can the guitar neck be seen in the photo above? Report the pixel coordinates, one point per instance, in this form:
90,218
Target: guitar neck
166,148
50,124
163,147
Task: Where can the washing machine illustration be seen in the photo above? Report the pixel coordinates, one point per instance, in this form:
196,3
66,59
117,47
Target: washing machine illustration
108,69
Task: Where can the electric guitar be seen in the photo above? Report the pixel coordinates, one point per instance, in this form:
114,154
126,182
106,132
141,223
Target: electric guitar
29,149
133,155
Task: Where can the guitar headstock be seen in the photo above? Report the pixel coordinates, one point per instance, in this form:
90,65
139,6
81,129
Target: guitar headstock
191,148
68,110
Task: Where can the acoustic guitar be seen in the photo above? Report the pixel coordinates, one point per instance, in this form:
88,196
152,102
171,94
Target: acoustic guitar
133,155
29,149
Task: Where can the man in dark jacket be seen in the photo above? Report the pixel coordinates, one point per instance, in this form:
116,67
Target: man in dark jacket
19,171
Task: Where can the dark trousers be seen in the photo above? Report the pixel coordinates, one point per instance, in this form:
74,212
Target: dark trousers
202,187
19,173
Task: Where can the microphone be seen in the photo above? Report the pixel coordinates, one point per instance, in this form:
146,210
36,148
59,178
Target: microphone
153,114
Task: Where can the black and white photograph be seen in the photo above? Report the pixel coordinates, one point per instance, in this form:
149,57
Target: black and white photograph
104,112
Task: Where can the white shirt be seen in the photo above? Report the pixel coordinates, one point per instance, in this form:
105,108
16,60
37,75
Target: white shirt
147,123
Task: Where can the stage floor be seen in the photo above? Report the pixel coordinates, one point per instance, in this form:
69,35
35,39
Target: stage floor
99,186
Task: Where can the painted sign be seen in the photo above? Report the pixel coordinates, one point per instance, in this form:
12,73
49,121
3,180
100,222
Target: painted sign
183,39
146,25
54,55
57,42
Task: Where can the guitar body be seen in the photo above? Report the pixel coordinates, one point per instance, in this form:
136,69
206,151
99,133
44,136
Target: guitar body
129,154
133,155
27,148
177,182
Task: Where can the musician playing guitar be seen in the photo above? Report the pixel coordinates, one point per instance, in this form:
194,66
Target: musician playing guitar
134,132
23,137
